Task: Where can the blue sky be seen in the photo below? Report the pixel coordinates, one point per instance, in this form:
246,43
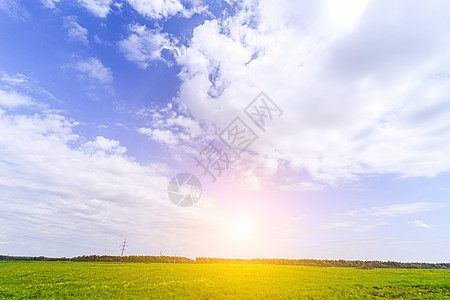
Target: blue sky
103,102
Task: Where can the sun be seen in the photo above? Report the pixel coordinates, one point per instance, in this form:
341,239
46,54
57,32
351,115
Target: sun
242,227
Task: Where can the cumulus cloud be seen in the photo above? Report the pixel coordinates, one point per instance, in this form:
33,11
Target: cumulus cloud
174,128
361,95
143,45
163,136
105,145
157,9
78,195
48,181
164,9
75,31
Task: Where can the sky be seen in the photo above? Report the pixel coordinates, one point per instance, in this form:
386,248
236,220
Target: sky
317,129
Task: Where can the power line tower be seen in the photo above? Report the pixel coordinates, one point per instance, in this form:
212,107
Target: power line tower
123,245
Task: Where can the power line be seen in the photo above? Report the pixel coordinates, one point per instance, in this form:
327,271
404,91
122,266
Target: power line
123,245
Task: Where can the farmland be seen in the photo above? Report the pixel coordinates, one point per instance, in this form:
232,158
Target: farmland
56,280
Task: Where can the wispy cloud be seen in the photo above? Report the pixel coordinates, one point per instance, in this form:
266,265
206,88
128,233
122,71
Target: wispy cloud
99,8
354,226
420,224
13,9
301,186
13,80
75,31
50,3
11,99
337,225
396,209
93,69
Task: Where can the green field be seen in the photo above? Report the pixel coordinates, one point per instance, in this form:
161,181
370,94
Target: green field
58,280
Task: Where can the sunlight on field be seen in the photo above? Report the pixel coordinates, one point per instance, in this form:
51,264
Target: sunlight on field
56,280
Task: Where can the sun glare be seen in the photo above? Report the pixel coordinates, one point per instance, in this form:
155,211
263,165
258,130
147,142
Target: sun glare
242,227
345,13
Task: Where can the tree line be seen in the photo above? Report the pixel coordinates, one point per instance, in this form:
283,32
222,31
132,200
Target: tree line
134,258
265,261
327,263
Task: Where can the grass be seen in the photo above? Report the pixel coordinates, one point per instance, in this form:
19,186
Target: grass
62,280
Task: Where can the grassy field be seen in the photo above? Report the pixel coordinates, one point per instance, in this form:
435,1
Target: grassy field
58,280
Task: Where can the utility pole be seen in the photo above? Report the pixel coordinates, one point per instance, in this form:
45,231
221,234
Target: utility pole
123,245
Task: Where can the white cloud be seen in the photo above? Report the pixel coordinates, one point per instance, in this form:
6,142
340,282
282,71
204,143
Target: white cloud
354,226
75,31
338,225
13,80
105,146
396,209
175,129
420,224
69,191
13,9
303,186
384,109
50,3
144,45
162,136
97,39
163,9
94,69
77,195
100,8
11,99
157,9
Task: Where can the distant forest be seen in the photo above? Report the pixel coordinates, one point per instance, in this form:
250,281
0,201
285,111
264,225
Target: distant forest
264,261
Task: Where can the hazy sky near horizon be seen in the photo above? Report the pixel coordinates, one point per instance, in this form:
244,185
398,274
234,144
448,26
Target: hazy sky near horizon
103,102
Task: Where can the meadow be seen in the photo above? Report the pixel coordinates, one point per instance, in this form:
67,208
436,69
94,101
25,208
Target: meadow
63,280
